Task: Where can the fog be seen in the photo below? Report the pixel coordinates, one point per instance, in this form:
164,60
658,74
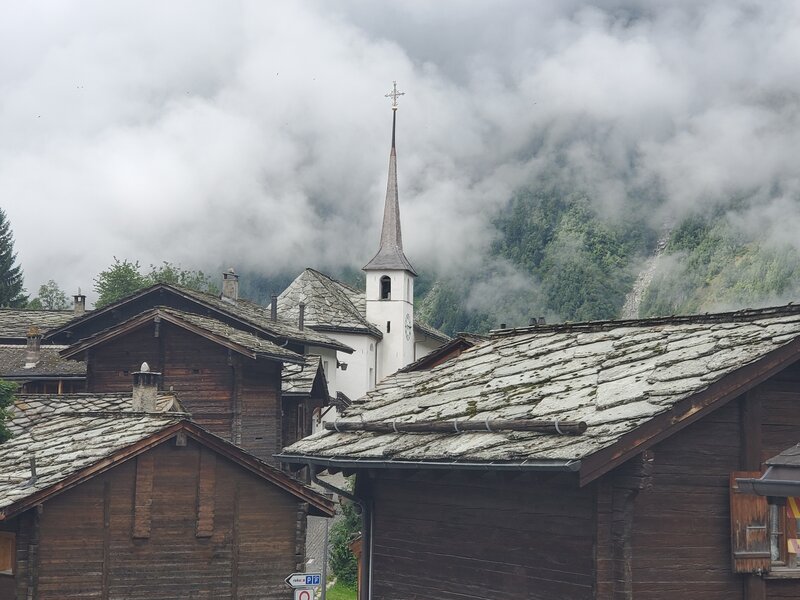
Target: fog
256,134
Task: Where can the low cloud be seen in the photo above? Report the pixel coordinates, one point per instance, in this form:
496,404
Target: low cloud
255,134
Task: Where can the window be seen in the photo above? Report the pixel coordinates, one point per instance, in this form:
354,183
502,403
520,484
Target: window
388,327
386,288
8,547
764,533
784,518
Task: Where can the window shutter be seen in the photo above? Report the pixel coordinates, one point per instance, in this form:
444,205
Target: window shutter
7,550
749,528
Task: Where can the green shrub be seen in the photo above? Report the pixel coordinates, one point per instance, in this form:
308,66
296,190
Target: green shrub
344,531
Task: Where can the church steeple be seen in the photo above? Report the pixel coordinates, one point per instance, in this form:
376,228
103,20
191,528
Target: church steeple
390,255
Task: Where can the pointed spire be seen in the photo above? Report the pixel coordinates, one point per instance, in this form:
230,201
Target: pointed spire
390,255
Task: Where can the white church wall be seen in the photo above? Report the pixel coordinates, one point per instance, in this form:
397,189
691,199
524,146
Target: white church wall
359,376
394,317
423,345
328,356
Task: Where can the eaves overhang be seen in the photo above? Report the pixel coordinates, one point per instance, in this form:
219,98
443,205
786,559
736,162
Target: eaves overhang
374,331
370,463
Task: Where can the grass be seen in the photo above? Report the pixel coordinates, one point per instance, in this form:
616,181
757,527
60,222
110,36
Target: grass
340,592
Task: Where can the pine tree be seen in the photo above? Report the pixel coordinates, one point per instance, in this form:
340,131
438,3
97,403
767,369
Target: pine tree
11,291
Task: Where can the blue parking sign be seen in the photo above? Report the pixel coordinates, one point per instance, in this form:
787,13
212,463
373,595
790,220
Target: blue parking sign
315,580
309,579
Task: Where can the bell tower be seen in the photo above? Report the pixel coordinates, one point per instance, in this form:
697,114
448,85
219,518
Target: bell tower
390,278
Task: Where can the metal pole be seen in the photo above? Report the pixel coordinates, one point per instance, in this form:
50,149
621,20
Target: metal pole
325,561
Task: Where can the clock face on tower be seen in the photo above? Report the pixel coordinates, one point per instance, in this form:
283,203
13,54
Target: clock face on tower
409,327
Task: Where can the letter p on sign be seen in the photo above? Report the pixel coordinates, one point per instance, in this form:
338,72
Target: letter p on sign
303,595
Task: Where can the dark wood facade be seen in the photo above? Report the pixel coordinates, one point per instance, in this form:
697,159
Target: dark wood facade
656,527
233,396
177,521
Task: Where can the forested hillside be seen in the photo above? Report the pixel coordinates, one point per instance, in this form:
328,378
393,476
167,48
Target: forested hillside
556,256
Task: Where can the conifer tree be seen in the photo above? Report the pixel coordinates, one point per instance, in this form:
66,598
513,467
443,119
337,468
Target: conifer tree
11,291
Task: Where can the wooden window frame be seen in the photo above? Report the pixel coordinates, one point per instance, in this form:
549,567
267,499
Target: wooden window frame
788,565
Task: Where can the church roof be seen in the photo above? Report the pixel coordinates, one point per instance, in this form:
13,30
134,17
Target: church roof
390,256
629,381
331,305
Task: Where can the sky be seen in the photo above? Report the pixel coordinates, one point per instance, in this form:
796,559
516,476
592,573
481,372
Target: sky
256,134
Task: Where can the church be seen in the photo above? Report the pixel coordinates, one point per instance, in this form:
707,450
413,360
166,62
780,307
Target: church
378,324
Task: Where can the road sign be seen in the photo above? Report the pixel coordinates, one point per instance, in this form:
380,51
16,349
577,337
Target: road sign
304,580
304,594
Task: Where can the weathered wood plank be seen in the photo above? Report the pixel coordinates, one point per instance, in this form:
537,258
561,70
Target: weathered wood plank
143,500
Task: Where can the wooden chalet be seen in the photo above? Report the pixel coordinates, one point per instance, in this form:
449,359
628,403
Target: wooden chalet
98,500
36,367
580,461
223,356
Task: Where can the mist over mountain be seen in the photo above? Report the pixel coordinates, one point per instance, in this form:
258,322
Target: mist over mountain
543,148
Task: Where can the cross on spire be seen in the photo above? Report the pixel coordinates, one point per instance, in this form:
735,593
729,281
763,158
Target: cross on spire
394,95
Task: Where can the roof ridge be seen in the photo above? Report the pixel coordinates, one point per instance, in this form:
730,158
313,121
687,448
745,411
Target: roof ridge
122,413
741,315
334,280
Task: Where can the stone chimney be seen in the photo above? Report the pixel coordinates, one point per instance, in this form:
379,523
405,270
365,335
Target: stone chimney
273,307
301,319
230,285
145,389
79,303
33,349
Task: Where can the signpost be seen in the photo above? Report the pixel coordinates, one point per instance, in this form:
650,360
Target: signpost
303,580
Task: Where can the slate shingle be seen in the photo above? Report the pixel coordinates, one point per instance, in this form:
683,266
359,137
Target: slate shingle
65,434
615,376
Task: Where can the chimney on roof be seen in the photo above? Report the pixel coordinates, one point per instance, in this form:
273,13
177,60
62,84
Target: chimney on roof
33,349
301,319
145,389
79,303
230,285
273,307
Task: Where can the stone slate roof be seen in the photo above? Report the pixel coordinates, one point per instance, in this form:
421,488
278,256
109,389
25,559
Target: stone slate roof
14,322
299,379
332,305
50,364
461,342
245,339
66,436
213,329
70,436
614,376
29,408
431,332
252,314
259,316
